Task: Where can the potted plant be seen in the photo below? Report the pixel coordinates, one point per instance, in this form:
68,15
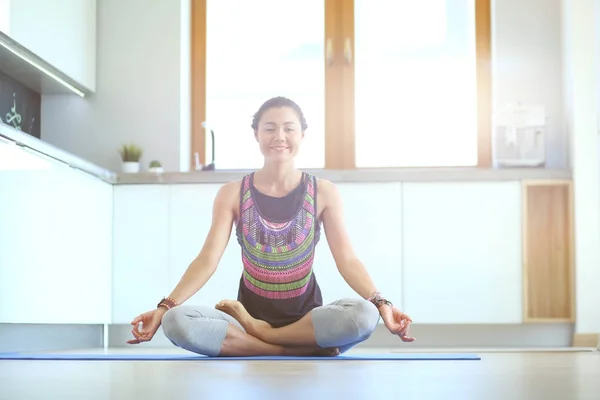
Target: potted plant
155,167
130,156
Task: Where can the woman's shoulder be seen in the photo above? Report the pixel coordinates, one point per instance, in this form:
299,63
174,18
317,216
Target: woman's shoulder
325,184
230,190
326,188
228,198
236,186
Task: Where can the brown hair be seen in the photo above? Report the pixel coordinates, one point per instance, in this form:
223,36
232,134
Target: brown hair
278,102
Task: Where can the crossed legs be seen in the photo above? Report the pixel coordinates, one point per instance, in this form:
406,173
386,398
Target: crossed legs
211,332
341,324
229,330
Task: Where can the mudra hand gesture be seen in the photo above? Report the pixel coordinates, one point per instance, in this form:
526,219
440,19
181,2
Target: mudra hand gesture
396,321
150,321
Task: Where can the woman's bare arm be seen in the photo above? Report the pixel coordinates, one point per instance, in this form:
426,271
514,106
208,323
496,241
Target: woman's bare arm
205,264
350,267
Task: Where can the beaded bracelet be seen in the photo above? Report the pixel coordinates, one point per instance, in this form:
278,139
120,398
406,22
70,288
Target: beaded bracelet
378,300
167,302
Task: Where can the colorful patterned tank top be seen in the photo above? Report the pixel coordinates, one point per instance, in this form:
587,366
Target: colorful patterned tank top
278,237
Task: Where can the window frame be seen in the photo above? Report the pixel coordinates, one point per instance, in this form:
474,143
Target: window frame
339,85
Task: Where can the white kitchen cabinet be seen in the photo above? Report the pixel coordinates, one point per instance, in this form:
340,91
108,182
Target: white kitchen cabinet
462,252
5,16
62,32
55,247
190,213
446,253
141,249
372,215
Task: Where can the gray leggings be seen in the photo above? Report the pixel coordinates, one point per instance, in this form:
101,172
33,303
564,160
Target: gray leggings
342,324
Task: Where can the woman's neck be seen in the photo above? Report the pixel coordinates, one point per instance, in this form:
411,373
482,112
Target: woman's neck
278,177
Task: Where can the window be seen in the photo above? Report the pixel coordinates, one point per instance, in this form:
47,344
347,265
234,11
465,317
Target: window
383,83
415,85
256,50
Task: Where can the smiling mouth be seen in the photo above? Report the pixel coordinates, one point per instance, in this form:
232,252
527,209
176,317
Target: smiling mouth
279,148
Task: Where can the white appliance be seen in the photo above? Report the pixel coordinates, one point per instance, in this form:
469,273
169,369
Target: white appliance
519,136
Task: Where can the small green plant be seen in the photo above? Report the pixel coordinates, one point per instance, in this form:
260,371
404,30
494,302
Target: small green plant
155,164
130,153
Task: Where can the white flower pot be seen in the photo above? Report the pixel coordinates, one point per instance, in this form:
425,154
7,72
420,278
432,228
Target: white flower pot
130,167
156,170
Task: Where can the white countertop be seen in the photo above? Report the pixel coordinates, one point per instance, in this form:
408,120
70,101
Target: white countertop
46,150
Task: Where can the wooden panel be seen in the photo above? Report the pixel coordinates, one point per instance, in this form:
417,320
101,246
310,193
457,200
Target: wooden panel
336,77
198,77
462,252
347,160
483,41
547,252
587,340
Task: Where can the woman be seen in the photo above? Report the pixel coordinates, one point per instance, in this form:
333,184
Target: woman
278,211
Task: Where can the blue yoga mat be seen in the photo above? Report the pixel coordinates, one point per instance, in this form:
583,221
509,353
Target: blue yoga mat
194,357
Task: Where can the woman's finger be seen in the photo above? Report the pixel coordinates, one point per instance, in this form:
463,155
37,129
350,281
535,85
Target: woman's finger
135,330
407,339
396,328
404,334
406,317
138,335
406,325
402,329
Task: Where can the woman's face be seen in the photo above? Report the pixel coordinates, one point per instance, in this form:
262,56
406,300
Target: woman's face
279,134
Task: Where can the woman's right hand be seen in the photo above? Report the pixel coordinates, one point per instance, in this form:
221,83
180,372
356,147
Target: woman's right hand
150,320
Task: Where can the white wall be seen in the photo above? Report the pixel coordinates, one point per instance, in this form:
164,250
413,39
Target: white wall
143,80
581,56
527,66
138,97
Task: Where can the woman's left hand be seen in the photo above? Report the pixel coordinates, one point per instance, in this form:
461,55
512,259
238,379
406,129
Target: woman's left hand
396,321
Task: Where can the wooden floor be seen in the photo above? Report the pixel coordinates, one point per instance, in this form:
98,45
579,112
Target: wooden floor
562,375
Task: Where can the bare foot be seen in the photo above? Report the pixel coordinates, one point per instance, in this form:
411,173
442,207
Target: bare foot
252,326
311,351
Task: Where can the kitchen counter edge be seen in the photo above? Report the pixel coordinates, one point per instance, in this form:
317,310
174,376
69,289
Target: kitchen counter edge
358,175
